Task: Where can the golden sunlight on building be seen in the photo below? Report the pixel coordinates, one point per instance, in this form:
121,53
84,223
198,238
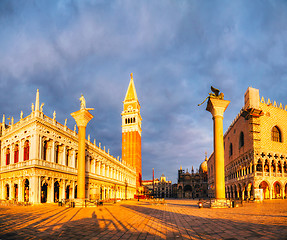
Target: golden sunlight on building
39,160
255,151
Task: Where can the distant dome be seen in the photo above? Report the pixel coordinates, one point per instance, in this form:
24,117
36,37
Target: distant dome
203,166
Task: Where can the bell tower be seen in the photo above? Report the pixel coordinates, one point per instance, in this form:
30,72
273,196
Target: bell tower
131,131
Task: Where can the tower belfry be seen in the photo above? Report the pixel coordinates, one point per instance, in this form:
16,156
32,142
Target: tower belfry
131,131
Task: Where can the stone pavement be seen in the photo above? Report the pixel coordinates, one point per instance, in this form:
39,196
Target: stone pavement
177,219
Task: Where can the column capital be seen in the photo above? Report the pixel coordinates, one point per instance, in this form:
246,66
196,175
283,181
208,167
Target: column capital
217,106
82,117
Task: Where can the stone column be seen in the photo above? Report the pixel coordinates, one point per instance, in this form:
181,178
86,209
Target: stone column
82,117
217,107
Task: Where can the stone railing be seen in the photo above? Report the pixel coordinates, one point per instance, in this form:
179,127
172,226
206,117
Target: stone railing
37,162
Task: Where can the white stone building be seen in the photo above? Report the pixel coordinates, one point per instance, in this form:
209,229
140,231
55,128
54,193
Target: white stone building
39,163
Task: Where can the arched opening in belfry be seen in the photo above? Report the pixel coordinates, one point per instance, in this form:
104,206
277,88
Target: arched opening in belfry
56,191
44,192
266,191
26,190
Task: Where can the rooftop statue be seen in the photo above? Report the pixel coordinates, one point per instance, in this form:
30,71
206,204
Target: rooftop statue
215,94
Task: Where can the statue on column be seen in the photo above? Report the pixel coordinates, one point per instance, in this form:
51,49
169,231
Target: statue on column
215,94
83,102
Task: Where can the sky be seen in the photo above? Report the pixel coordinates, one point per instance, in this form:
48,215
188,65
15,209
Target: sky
175,49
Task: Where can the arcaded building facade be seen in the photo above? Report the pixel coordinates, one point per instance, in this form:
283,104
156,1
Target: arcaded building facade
39,163
255,151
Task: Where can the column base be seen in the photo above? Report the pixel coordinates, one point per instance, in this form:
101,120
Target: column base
217,203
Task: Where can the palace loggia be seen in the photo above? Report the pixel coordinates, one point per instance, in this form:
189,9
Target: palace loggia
39,158
255,150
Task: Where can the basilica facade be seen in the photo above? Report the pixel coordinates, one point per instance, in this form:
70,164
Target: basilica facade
39,159
255,151
193,184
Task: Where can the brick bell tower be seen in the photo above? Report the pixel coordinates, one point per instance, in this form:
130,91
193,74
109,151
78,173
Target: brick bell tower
131,132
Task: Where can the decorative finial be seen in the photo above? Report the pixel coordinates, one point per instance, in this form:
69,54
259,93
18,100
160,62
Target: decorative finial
132,76
89,137
54,115
94,141
75,128
65,122
21,115
83,102
32,107
12,121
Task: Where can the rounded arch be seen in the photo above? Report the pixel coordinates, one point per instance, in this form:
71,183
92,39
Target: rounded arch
16,153
276,134
26,150
7,156
26,190
7,191
276,190
266,189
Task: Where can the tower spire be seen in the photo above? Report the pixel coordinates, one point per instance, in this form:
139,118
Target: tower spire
131,94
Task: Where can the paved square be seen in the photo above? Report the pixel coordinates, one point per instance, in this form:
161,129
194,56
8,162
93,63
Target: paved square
177,219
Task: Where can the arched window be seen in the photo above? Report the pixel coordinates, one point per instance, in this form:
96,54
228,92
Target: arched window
279,167
241,140
26,150
57,154
126,121
230,150
134,120
259,166
7,156
266,166
16,153
276,134
45,150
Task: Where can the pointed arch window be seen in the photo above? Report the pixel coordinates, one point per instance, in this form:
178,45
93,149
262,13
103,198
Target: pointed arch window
241,140
26,150
276,134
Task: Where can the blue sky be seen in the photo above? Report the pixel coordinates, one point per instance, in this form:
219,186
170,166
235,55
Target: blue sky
175,49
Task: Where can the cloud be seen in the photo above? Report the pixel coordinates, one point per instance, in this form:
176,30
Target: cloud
176,49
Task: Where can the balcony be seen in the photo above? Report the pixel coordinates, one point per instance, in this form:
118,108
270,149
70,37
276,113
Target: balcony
35,163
